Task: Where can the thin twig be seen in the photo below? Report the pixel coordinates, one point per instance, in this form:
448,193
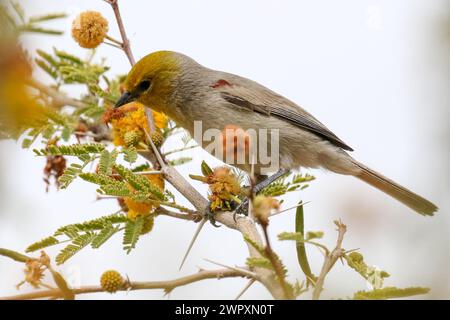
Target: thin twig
330,260
167,286
249,273
177,215
114,40
125,42
247,286
287,209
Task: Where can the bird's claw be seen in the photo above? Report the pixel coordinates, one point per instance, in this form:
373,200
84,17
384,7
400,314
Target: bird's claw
242,209
211,216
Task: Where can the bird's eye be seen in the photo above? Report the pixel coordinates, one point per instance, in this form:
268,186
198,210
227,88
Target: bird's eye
144,85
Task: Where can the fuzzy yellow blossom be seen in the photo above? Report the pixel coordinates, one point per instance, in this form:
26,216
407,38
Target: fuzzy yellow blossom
137,209
129,122
34,270
89,29
111,281
224,187
262,208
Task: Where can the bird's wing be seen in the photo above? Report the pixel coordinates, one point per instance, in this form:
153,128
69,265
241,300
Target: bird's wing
252,96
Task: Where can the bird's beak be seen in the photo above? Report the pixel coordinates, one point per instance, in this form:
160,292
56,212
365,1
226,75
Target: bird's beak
126,97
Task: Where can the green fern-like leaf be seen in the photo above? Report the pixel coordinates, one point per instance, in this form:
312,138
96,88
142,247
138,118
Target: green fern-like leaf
104,235
71,150
44,243
73,171
256,246
259,263
132,233
206,169
130,154
139,182
390,293
107,184
95,224
77,244
300,245
295,236
107,160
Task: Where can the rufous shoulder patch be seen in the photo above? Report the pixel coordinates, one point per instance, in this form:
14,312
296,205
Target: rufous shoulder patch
220,83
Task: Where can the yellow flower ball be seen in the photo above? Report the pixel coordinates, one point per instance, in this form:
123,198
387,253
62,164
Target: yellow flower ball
111,281
129,122
89,29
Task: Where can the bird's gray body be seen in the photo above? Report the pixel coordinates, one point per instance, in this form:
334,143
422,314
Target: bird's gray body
195,93
187,92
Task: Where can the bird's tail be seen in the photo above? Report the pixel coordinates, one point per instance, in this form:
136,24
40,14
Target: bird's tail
405,196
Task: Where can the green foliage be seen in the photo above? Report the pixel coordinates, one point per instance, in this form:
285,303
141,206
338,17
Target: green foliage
259,263
73,171
297,236
390,293
93,232
140,183
44,243
206,170
95,224
300,245
107,161
355,260
256,246
104,235
66,68
16,256
71,150
133,230
130,154
77,244
263,252
281,186
21,24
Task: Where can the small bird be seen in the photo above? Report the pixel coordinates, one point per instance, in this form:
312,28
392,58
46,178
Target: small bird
186,91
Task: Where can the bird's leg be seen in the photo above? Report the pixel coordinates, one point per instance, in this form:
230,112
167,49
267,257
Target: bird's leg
259,186
210,215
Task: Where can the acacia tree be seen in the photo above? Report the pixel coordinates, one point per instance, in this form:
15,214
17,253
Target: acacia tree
124,144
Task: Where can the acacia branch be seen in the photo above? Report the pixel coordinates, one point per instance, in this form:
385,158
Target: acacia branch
125,42
167,286
330,260
127,49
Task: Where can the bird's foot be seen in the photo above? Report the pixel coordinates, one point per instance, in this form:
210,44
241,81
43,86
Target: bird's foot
210,215
243,208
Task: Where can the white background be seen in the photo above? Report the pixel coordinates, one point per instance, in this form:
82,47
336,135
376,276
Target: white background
375,72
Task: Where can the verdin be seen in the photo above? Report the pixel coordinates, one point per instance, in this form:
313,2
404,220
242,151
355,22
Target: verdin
186,91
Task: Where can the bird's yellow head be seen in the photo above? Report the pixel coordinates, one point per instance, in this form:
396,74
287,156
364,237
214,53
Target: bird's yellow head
151,80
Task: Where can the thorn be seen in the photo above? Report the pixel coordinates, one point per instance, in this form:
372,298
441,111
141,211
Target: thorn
248,285
294,207
191,244
244,271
